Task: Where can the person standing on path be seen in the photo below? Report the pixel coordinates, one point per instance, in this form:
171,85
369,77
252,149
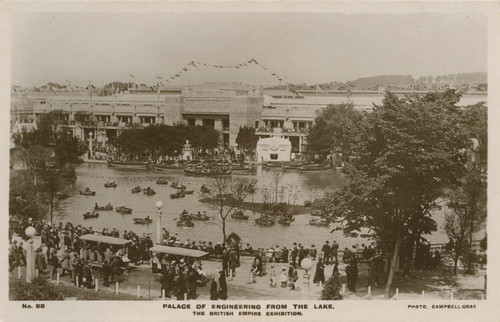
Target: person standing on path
213,290
233,263
225,262
334,249
294,253
319,275
222,293
326,252
352,274
302,254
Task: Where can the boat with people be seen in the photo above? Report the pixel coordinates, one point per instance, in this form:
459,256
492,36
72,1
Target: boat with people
105,207
171,165
177,195
136,189
87,192
200,216
238,214
188,192
162,181
177,185
204,171
89,215
110,185
315,167
142,221
264,220
131,164
185,215
286,220
185,223
240,167
292,165
149,191
273,165
123,210
318,212
204,189
319,222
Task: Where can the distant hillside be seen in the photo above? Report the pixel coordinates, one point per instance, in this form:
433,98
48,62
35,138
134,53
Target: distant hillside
408,80
387,80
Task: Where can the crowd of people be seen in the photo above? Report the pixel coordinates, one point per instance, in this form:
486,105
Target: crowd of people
62,249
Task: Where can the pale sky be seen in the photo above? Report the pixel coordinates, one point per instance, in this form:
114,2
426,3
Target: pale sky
305,47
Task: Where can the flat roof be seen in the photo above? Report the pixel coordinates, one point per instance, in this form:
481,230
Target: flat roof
178,251
105,239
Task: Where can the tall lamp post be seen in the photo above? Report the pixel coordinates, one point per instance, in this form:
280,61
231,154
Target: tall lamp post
306,264
159,205
90,145
30,257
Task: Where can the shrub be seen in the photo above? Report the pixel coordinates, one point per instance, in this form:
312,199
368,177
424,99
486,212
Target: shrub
38,289
331,291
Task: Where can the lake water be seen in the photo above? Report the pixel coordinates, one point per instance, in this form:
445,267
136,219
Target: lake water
299,188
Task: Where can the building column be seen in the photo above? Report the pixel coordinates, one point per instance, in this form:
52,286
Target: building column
300,144
218,124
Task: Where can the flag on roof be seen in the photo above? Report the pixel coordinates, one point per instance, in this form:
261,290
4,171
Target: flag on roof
131,75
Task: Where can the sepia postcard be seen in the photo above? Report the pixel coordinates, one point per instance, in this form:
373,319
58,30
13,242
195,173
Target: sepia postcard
249,160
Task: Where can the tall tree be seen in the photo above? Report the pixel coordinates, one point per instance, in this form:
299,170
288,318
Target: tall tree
49,155
246,139
407,151
333,131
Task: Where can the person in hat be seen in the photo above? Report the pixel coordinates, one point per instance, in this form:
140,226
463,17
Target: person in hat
334,251
352,273
294,253
319,274
233,263
225,262
213,290
284,255
302,254
283,277
313,252
222,293
293,276
272,278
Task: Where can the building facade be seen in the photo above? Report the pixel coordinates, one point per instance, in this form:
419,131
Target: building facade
224,106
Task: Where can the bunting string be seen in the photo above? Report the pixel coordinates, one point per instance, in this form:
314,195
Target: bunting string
195,64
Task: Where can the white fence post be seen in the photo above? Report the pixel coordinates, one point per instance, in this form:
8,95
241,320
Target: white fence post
343,288
423,294
138,291
57,278
185,296
117,288
397,293
163,294
19,272
96,284
369,291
